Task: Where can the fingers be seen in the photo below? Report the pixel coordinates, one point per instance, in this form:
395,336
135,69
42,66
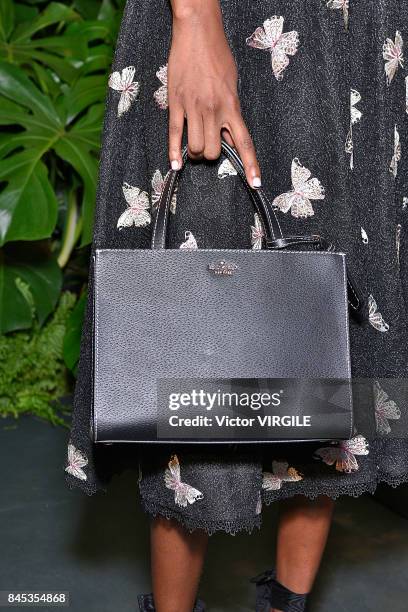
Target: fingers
227,137
212,134
176,126
246,150
195,132
204,137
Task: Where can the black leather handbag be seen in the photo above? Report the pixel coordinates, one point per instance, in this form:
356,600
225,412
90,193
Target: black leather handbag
221,346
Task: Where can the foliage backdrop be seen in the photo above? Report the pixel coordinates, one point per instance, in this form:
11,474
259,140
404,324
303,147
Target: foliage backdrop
54,62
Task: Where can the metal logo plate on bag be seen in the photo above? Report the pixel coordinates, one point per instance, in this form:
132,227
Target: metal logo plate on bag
223,268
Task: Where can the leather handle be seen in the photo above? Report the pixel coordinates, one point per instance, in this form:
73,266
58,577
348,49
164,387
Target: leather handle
262,205
273,234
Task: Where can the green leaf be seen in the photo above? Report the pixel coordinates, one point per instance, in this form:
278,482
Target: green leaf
72,339
15,86
84,93
24,13
91,31
30,266
55,12
75,153
32,371
44,78
99,58
6,19
28,206
88,8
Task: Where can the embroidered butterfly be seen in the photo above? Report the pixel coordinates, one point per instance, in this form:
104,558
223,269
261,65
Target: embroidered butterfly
355,116
342,5
226,169
138,206
280,44
161,94
157,188
364,236
393,56
397,153
343,454
76,461
304,190
257,233
385,408
184,494
128,88
281,472
375,317
190,241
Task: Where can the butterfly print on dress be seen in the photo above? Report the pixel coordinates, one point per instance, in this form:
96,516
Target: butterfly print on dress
355,116
385,409
364,236
190,242
281,472
128,88
393,56
226,169
375,317
304,190
280,44
161,94
184,494
342,5
76,461
397,153
137,213
257,233
157,188
343,454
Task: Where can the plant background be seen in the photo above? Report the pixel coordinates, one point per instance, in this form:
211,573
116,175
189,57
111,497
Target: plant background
54,63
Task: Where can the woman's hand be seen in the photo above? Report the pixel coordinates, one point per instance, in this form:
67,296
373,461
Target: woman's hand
202,87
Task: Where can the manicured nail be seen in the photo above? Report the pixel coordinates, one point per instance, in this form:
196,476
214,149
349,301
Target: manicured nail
256,182
175,165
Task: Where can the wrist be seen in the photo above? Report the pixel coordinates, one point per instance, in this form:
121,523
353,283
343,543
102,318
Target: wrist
193,11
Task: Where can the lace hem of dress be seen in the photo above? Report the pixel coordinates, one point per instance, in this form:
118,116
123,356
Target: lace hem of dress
192,524
335,491
84,487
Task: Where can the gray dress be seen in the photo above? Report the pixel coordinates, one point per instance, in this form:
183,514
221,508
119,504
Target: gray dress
323,91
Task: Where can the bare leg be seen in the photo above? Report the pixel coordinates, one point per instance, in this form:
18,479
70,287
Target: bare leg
177,559
302,534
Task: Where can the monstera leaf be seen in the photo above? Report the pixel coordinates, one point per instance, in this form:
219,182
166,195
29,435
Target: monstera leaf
30,284
21,44
28,207
54,62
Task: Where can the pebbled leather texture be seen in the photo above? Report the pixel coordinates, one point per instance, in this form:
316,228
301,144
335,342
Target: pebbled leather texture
163,314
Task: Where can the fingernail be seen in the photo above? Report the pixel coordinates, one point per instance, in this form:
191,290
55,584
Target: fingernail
175,165
256,182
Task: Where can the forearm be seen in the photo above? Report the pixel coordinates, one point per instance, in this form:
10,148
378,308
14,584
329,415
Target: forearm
202,88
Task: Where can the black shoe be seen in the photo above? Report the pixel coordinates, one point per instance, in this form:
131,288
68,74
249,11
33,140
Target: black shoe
272,594
146,604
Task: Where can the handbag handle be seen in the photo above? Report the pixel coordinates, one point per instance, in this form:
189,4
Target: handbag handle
273,232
